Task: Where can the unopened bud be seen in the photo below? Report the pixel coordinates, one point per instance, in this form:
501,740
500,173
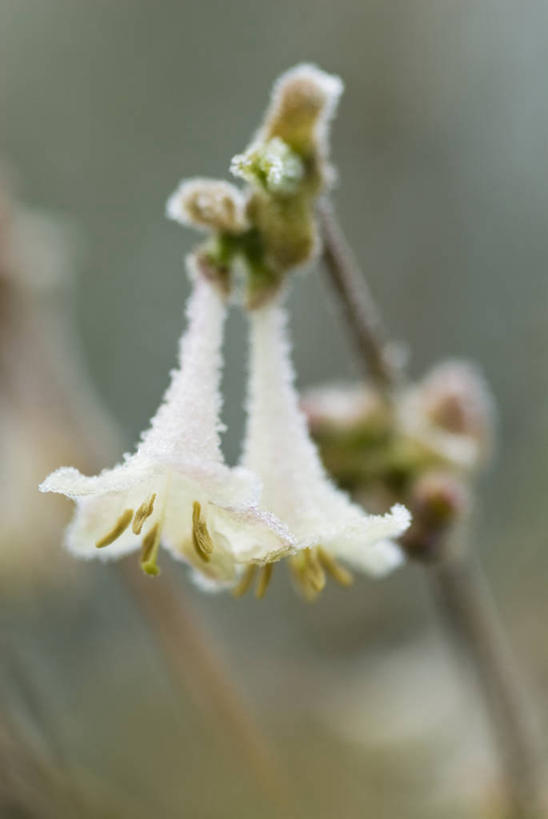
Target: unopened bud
439,498
455,398
303,101
343,408
208,204
437,501
351,425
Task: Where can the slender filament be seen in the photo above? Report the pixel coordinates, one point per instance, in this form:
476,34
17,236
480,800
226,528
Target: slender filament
119,528
264,580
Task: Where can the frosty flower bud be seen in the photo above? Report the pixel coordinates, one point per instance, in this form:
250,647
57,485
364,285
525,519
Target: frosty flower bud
438,500
455,398
304,99
344,408
208,204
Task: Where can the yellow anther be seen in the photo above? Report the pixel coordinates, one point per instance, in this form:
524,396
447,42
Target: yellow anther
246,580
337,572
119,527
142,513
313,571
264,580
201,539
149,551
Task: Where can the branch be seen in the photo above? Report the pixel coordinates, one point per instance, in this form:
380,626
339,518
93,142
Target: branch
357,302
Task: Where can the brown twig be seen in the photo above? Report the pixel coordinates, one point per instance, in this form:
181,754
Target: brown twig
460,589
357,302
465,601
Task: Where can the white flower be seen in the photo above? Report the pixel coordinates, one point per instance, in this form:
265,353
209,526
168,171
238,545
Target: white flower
176,488
325,524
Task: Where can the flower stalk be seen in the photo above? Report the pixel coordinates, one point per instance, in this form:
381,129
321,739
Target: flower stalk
457,581
464,601
357,302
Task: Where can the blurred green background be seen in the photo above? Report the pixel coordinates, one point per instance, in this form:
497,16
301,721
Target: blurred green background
441,144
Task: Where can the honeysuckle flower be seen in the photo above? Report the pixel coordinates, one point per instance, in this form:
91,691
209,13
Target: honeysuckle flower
325,524
176,490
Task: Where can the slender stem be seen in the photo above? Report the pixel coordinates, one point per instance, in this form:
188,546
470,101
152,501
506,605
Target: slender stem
465,601
357,302
190,657
461,592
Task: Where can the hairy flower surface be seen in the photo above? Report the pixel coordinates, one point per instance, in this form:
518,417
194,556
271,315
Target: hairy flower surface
176,490
325,524
304,100
208,204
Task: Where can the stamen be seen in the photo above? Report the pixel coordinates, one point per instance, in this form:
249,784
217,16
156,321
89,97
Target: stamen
313,571
245,581
149,551
264,580
337,572
304,578
201,539
142,513
119,527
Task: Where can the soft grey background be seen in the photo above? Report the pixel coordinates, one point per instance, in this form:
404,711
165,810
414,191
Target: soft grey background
441,144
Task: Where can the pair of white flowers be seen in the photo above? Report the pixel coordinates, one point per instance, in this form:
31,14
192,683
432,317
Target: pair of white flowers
228,523
176,490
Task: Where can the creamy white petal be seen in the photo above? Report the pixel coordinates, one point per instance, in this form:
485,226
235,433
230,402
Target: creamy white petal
68,481
256,535
278,448
186,427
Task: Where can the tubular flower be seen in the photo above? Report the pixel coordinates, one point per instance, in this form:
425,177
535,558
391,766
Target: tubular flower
326,525
176,490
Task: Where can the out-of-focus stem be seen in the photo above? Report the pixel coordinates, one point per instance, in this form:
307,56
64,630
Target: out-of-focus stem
460,590
356,300
465,601
191,658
